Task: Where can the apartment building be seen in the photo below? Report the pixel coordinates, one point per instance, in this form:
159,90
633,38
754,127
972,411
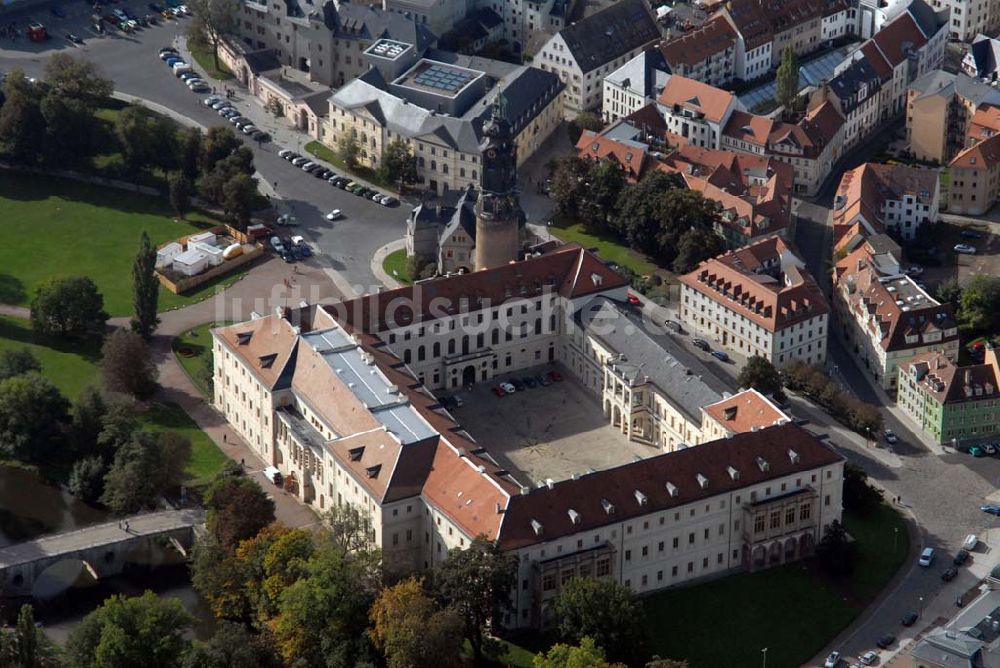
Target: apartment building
895,198
968,18
887,319
350,422
437,102
706,54
950,403
696,111
941,109
975,178
754,38
813,145
634,85
758,300
583,53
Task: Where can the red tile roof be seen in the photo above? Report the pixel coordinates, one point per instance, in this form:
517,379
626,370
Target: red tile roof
632,159
616,495
748,410
897,38
948,383
984,155
711,38
697,96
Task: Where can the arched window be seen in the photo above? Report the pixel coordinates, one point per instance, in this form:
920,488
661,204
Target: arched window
451,346
437,349
465,344
538,325
406,355
420,353
495,336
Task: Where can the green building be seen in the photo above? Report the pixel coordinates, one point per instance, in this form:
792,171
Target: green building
948,402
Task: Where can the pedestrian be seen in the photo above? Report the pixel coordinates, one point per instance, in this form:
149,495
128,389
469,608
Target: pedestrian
243,463
224,436
126,527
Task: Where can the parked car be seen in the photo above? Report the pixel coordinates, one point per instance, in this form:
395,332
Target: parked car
991,509
886,641
542,380
210,100
261,136
965,249
890,436
529,381
323,173
299,161
949,574
291,156
220,105
73,37
308,165
674,325
971,234
518,385
832,661
555,376
868,658
910,618
248,129
976,451
633,299
277,245
199,86
241,121
961,557
989,449
284,153
701,343
720,355
305,250
507,388
336,214
389,200
926,557
497,390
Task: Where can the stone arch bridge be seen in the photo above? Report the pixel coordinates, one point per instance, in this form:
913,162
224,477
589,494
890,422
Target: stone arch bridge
103,549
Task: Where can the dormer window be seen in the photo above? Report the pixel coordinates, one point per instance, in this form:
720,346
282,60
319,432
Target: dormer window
763,465
574,516
793,457
609,508
733,473
641,498
702,481
672,489
355,453
536,526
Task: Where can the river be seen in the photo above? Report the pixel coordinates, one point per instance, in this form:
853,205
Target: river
31,507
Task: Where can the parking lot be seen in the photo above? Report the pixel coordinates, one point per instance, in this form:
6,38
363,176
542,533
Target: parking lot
549,432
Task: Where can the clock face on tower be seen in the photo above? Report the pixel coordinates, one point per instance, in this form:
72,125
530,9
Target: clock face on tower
499,154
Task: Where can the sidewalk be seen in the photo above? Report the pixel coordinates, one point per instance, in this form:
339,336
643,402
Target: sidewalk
379,257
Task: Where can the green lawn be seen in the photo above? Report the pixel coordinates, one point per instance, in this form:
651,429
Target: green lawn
324,152
395,265
192,348
58,227
204,57
72,366
609,248
792,610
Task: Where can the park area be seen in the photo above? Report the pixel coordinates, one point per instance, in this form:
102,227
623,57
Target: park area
55,227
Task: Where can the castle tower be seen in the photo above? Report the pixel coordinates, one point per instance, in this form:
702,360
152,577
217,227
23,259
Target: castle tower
498,211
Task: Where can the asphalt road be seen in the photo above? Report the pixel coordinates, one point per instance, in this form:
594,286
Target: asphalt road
131,61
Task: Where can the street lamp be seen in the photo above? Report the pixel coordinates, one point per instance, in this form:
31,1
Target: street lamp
895,536
763,660
921,606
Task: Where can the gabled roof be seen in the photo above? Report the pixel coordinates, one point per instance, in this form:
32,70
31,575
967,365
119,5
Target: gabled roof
616,495
899,37
946,383
263,60
983,156
267,347
698,97
745,411
709,39
749,127
630,156
610,33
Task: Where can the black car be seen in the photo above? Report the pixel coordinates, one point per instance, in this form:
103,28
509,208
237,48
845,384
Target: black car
261,136
961,557
529,381
701,343
73,37
886,641
518,385
909,619
287,257
949,574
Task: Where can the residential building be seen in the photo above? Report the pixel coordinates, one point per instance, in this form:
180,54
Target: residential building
948,402
982,61
706,54
758,300
634,85
632,156
941,110
968,18
696,111
583,53
887,319
437,102
894,198
335,406
755,38
813,145
975,178
438,16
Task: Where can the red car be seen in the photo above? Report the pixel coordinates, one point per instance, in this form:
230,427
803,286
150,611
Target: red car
555,376
633,300
497,390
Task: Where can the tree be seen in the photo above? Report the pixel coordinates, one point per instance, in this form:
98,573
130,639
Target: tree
696,245
218,144
604,184
567,184
22,127
411,631
27,646
603,610
476,582
761,375
222,579
88,420
949,291
237,509
980,304
189,153
232,646
70,129
17,361
179,193
787,79
137,137
145,289
835,551
350,527
274,107
585,120
398,165
586,655
143,469
657,662
32,415
213,20
239,195
77,78
68,307
86,478
859,494
143,631
126,365
118,424
348,149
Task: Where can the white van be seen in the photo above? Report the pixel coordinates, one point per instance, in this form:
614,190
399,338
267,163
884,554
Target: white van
926,557
970,542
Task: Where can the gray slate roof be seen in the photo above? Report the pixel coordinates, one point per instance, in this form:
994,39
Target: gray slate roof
365,22
611,32
606,320
939,82
986,54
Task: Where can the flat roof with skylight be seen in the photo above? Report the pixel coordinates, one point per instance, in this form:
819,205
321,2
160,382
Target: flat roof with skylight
438,78
388,48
